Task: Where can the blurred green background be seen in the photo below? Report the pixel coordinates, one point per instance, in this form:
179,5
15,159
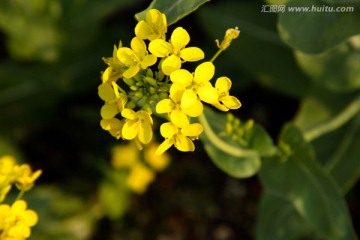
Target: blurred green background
50,64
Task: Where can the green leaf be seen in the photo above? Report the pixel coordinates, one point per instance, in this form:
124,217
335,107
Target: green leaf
228,153
305,186
337,150
287,224
315,32
337,68
174,10
258,50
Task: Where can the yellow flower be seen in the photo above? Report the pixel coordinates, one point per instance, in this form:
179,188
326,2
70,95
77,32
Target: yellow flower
135,58
181,138
139,178
138,124
114,100
158,163
4,190
115,68
225,102
113,126
176,115
124,156
175,51
15,221
154,26
7,174
26,177
190,89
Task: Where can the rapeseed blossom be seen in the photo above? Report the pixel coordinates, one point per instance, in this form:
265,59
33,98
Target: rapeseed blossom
175,50
16,220
141,166
148,76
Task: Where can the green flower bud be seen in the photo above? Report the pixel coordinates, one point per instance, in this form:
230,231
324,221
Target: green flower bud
129,81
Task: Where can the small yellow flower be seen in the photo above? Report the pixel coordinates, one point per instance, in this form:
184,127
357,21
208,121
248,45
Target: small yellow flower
114,100
138,124
135,58
7,173
158,163
153,27
175,51
113,126
115,68
193,88
181,138
176,115
124,156
26,177
139,178
225,102
15,221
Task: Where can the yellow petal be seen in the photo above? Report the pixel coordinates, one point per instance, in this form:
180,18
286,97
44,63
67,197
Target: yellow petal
221,107
231,102
108,111
106,92
168,130
192,130
18,207
145,116
194,111
176,92
138,46
130,130
129,114
188,98
131,71
145,132
143,30
192,54
184,144
181,76
204,72
223,84
208,94
180,38
30,218
160,48
170,64
164,146
164,106
126,56
109,124
148,60
179,118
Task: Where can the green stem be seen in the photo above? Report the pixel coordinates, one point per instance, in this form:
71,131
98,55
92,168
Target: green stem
220,144
21,194
216,55
352,109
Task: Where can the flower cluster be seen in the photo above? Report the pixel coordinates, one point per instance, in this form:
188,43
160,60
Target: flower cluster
141,167
16,220
167,89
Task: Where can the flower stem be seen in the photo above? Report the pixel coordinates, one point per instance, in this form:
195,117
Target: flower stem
220,144
216,55
349,112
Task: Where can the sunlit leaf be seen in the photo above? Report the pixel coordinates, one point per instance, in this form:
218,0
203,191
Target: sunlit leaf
228,153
